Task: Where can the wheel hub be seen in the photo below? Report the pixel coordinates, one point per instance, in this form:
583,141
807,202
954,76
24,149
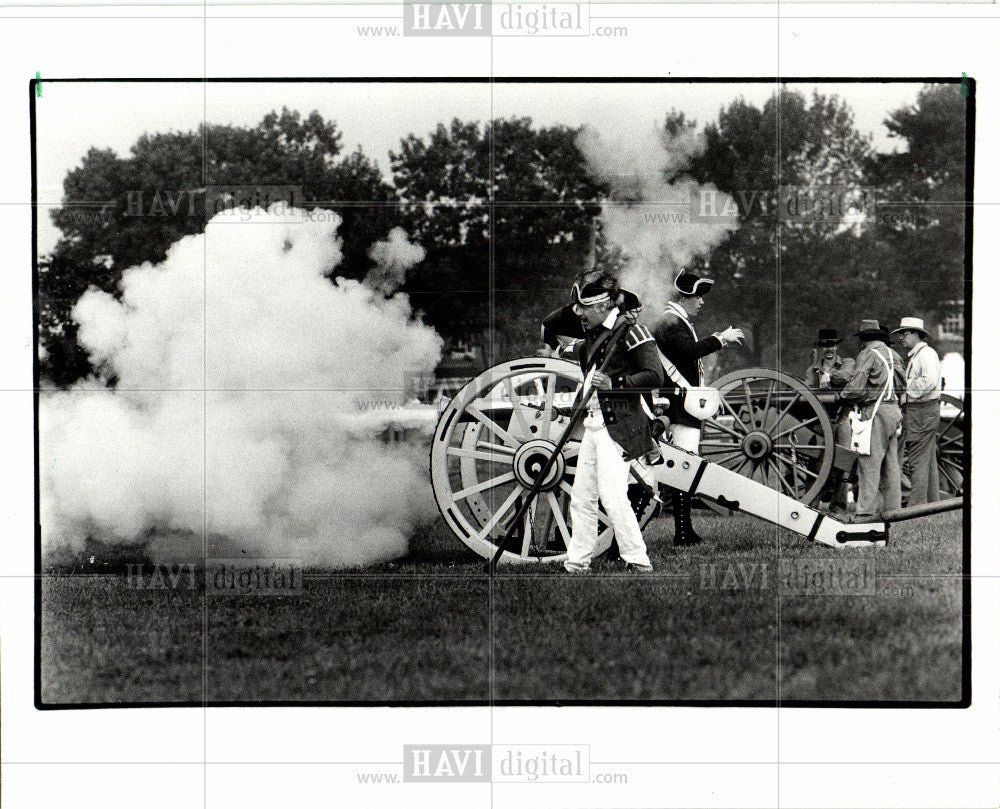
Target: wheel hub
531,458
757,445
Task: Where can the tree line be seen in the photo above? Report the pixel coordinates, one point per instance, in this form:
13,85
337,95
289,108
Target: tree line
519,198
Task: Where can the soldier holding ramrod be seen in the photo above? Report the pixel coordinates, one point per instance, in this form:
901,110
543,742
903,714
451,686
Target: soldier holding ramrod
616,428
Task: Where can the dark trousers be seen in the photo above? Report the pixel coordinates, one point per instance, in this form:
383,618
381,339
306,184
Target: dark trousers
920,425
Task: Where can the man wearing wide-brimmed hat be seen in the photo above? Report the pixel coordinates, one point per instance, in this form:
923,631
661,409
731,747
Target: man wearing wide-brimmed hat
875,389
921,410
831,371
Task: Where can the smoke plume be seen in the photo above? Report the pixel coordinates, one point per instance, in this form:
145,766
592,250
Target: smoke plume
656,216
241,412
392,257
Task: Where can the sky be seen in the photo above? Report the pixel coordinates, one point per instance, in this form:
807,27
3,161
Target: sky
77,116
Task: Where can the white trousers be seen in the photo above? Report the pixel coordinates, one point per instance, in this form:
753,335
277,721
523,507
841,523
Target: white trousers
601,474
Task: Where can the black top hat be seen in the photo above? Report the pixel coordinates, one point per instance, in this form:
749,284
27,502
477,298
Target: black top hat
828,337
871,330
691,285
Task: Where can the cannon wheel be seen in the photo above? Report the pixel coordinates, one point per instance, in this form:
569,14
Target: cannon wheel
771,429
494,436
951,447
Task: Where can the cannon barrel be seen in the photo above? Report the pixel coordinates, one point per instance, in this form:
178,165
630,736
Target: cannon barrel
908,513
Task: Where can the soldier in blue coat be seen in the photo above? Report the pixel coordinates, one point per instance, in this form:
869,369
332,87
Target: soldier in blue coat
631,371
678,341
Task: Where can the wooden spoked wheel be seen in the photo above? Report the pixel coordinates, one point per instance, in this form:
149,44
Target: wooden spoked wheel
771,429
491,443
951,447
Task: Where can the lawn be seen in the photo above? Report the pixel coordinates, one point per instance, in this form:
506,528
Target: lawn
754,614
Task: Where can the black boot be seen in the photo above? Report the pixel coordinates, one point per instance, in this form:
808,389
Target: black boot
683,531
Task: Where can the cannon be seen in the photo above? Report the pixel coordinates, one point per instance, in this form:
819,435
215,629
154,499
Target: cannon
776,430
768,454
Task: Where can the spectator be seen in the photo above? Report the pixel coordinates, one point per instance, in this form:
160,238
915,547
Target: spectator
875,389
921,411
830,371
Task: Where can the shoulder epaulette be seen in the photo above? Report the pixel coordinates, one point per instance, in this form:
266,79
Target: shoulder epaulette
637,335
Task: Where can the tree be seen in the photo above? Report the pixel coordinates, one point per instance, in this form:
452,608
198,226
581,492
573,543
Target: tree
524,190
776,269
160,192
921,226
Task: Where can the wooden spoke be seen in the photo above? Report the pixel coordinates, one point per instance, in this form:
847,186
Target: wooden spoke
954,440
746,394
722,428
493,457
495,447
788,407
516,406
727,458
499,513
767,402
781,478
492,426
733,413
739,469
557,513
796,466
547,404
529,520
954,485
951,423
492,483
795,427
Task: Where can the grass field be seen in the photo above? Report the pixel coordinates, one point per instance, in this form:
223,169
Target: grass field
809,624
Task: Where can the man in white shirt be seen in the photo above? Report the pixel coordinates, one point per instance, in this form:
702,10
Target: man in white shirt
921,411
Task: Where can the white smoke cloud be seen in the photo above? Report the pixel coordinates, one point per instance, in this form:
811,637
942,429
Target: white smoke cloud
649,215
393,257
239,413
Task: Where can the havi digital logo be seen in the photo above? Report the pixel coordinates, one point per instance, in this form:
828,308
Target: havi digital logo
446,762
446,19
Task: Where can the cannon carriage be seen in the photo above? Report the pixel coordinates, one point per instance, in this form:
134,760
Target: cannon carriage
497,435
775,429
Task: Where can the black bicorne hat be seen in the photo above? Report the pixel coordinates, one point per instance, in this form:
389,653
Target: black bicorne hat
592,293
691,285
828,337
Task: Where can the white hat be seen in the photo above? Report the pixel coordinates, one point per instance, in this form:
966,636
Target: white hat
911,324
